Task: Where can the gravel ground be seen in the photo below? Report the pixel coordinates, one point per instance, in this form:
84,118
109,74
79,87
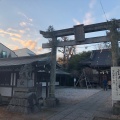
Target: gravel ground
67,97
74,95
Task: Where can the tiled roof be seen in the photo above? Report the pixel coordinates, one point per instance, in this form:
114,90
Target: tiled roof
101,58
61,72
24,60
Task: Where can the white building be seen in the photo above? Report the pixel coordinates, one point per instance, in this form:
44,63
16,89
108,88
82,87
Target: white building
24,52
5,52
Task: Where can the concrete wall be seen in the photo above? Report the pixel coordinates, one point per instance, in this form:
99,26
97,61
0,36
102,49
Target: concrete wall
44,83
6,91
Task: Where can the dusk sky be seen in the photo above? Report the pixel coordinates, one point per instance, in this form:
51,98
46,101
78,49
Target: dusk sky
21,20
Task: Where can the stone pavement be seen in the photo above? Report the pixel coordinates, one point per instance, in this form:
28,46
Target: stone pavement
76,104
98,105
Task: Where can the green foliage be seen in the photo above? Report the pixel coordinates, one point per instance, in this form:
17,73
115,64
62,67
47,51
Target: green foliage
75,59
50,28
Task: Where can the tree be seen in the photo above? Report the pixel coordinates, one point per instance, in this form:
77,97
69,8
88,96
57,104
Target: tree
68,52
103,45
50,29
75,59
73,64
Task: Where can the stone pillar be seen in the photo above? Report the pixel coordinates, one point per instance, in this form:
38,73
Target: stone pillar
114,37
51,101
53,69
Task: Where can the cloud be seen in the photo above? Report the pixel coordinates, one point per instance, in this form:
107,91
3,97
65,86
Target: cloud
88,19
12,34
2,35
92,4
76,21
22,24
11,30
26,43
29,19
15,48
12,47
22,31
15,39
28,29
29,44
25,24
39,48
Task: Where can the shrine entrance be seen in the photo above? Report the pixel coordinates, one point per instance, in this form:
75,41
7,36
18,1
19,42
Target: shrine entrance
79,32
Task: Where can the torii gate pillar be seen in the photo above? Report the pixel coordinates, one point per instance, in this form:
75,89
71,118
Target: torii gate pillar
79,32
51,101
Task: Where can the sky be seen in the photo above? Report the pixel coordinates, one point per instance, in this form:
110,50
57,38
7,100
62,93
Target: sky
21,20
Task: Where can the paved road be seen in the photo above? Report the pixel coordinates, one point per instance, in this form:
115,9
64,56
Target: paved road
94,103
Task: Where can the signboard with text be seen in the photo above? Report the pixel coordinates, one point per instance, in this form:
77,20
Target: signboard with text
115,80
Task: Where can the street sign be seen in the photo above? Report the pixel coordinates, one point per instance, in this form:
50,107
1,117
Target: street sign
115,77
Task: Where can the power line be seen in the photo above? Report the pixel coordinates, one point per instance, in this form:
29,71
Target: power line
105,16
103,11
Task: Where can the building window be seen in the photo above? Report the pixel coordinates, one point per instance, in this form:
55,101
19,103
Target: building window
4,54
5,78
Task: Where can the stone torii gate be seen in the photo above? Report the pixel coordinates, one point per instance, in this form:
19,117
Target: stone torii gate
79,32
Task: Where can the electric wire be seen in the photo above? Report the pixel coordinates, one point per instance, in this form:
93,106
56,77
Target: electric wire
103,11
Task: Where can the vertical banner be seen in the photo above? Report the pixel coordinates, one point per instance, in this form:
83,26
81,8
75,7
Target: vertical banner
115,77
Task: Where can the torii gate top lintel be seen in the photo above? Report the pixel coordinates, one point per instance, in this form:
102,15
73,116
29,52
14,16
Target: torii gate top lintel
79,32
71,31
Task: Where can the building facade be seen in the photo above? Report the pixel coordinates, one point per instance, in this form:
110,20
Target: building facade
5,52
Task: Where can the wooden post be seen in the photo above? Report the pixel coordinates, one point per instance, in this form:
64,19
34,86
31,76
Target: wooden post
12,81
47,89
